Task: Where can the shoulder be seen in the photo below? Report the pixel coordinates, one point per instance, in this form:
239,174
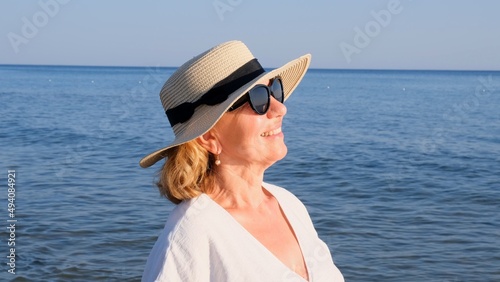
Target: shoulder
183,244
190,219
186,219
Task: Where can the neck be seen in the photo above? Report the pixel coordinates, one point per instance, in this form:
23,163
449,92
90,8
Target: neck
238,188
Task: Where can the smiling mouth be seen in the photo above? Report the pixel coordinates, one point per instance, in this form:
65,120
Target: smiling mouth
271,133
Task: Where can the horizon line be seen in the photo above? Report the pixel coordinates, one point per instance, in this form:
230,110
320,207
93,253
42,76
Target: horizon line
315,68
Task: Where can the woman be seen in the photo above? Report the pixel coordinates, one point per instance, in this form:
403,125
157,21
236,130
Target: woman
229,225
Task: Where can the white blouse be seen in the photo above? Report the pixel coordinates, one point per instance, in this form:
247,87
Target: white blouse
201,241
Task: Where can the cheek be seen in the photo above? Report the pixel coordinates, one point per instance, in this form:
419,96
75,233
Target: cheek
242,141
240,135
246,142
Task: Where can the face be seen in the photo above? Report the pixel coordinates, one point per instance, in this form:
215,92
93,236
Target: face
247,138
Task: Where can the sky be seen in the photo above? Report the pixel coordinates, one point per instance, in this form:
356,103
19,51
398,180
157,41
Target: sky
386,34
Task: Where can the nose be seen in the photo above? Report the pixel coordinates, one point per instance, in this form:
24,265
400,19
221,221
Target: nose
276,108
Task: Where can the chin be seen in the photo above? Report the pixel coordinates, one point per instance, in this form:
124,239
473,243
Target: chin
275,153
281,153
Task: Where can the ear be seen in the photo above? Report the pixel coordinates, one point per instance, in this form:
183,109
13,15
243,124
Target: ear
209,142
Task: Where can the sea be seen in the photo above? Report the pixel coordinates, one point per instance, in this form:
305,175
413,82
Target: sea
399,170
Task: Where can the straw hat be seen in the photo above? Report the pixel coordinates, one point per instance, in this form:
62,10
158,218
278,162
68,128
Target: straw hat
199,92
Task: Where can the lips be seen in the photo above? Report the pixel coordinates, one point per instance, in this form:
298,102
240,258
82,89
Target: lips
271,133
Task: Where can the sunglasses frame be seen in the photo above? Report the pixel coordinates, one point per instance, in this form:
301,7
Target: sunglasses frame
246,98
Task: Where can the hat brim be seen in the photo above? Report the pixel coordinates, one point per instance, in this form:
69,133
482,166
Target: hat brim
205,117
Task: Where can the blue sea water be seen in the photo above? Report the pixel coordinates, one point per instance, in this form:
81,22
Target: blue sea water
400,171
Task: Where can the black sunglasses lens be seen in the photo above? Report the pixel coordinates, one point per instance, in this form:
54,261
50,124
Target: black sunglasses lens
259,99
277,90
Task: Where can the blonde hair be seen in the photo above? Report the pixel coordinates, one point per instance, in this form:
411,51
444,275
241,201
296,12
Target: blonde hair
188,171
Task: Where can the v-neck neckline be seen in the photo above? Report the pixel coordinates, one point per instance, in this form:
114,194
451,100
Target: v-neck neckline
292,223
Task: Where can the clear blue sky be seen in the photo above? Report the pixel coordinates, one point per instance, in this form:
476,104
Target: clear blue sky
388,34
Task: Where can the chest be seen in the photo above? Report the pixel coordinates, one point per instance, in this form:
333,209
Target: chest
276,234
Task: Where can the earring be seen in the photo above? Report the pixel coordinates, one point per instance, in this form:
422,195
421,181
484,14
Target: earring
217,160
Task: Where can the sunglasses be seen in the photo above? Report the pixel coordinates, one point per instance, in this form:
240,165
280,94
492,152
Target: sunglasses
260,96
